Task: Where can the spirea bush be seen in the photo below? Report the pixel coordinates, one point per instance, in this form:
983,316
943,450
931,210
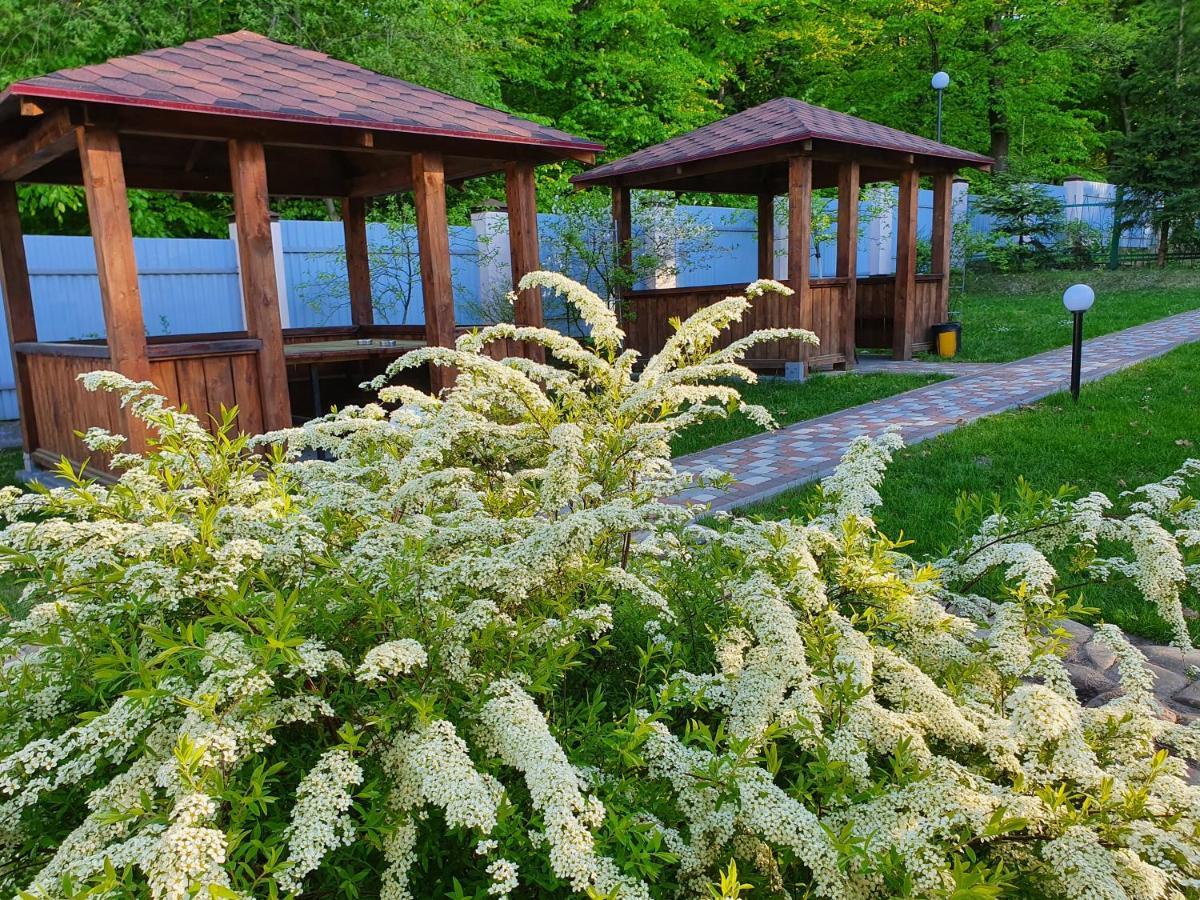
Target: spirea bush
463,647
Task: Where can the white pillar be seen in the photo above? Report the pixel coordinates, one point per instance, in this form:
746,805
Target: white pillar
285,315
495,260
881,230
661,229
960,194
1073,194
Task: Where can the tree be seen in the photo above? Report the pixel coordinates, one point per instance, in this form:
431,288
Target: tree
581,240
1027,220
1157,156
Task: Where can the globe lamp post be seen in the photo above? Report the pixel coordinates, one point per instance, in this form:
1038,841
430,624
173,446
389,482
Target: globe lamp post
939,82
1078,299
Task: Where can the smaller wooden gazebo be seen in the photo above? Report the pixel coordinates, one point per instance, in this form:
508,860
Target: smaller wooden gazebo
245,115
787,147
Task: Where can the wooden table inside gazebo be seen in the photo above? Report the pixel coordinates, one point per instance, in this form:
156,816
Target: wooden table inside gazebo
787,147
245,115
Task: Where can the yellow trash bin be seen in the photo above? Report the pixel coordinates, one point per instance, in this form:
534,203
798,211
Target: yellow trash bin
945,339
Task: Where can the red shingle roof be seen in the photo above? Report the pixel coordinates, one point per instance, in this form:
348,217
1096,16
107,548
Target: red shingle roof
246,74
779,121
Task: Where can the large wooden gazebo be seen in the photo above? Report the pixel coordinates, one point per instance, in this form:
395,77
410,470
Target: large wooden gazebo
787,147
256,118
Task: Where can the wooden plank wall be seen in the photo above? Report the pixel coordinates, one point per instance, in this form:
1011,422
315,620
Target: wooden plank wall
828,322
929,309
206,383
202,382
647,315
876,299
62,406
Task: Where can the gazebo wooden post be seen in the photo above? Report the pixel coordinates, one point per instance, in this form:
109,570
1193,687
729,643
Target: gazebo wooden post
799,241
906,264
942,234
358,261
622,214
260,290
766,235
112,234
521,193
18,307
116,265
847,253
433,242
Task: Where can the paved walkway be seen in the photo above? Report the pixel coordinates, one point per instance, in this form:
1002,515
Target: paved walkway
766,464
871,364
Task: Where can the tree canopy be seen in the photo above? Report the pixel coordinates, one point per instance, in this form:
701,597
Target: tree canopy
1047,88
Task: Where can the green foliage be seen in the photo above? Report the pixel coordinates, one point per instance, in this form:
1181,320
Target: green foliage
458,646
1156,153
1042,83
1027,221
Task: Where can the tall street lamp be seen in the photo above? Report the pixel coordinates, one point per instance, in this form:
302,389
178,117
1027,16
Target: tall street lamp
1078,299
939,82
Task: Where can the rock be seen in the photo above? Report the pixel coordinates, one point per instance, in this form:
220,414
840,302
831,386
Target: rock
1171,657
1189,695
1088,682
1101,699
1179,714
1078,631
1100,655
1166,682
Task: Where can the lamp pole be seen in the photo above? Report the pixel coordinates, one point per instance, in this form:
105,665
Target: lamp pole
1078,299
939,82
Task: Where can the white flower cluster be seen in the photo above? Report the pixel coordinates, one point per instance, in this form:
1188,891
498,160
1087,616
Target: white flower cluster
320,819
605,700
391,659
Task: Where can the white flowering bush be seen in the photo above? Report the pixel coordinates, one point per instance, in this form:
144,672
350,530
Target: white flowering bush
465,647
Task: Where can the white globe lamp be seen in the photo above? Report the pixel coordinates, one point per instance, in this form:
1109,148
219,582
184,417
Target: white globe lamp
939,82
1079,298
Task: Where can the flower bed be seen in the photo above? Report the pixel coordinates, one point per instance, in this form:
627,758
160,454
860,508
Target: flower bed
468,651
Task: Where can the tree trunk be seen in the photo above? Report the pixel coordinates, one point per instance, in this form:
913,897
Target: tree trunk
1164,232
997,119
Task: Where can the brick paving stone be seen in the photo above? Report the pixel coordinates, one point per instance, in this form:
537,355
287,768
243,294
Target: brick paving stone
766,464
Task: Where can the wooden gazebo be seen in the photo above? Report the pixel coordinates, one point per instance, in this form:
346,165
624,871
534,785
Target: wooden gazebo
246,115
787,147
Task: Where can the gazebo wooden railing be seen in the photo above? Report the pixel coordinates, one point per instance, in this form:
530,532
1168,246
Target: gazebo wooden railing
786,147
245,115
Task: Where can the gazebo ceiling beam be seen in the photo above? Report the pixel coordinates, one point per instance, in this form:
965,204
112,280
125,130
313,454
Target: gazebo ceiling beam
49,139
173,123
743,173
294,172
284,183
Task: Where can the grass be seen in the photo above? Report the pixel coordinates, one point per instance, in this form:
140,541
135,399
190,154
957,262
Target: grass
1128,429
792,402
1018,315
11,462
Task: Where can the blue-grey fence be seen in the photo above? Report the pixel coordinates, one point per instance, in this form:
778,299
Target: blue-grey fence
191,285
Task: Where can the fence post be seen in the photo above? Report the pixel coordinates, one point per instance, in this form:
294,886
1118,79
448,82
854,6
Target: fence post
881,259
1073,198
493,252
285,314
960,211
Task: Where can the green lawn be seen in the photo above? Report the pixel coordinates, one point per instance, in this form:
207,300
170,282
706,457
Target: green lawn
1006,319
790,402
11,463
1131,428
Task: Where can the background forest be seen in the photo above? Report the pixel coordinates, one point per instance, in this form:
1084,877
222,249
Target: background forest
1101,88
